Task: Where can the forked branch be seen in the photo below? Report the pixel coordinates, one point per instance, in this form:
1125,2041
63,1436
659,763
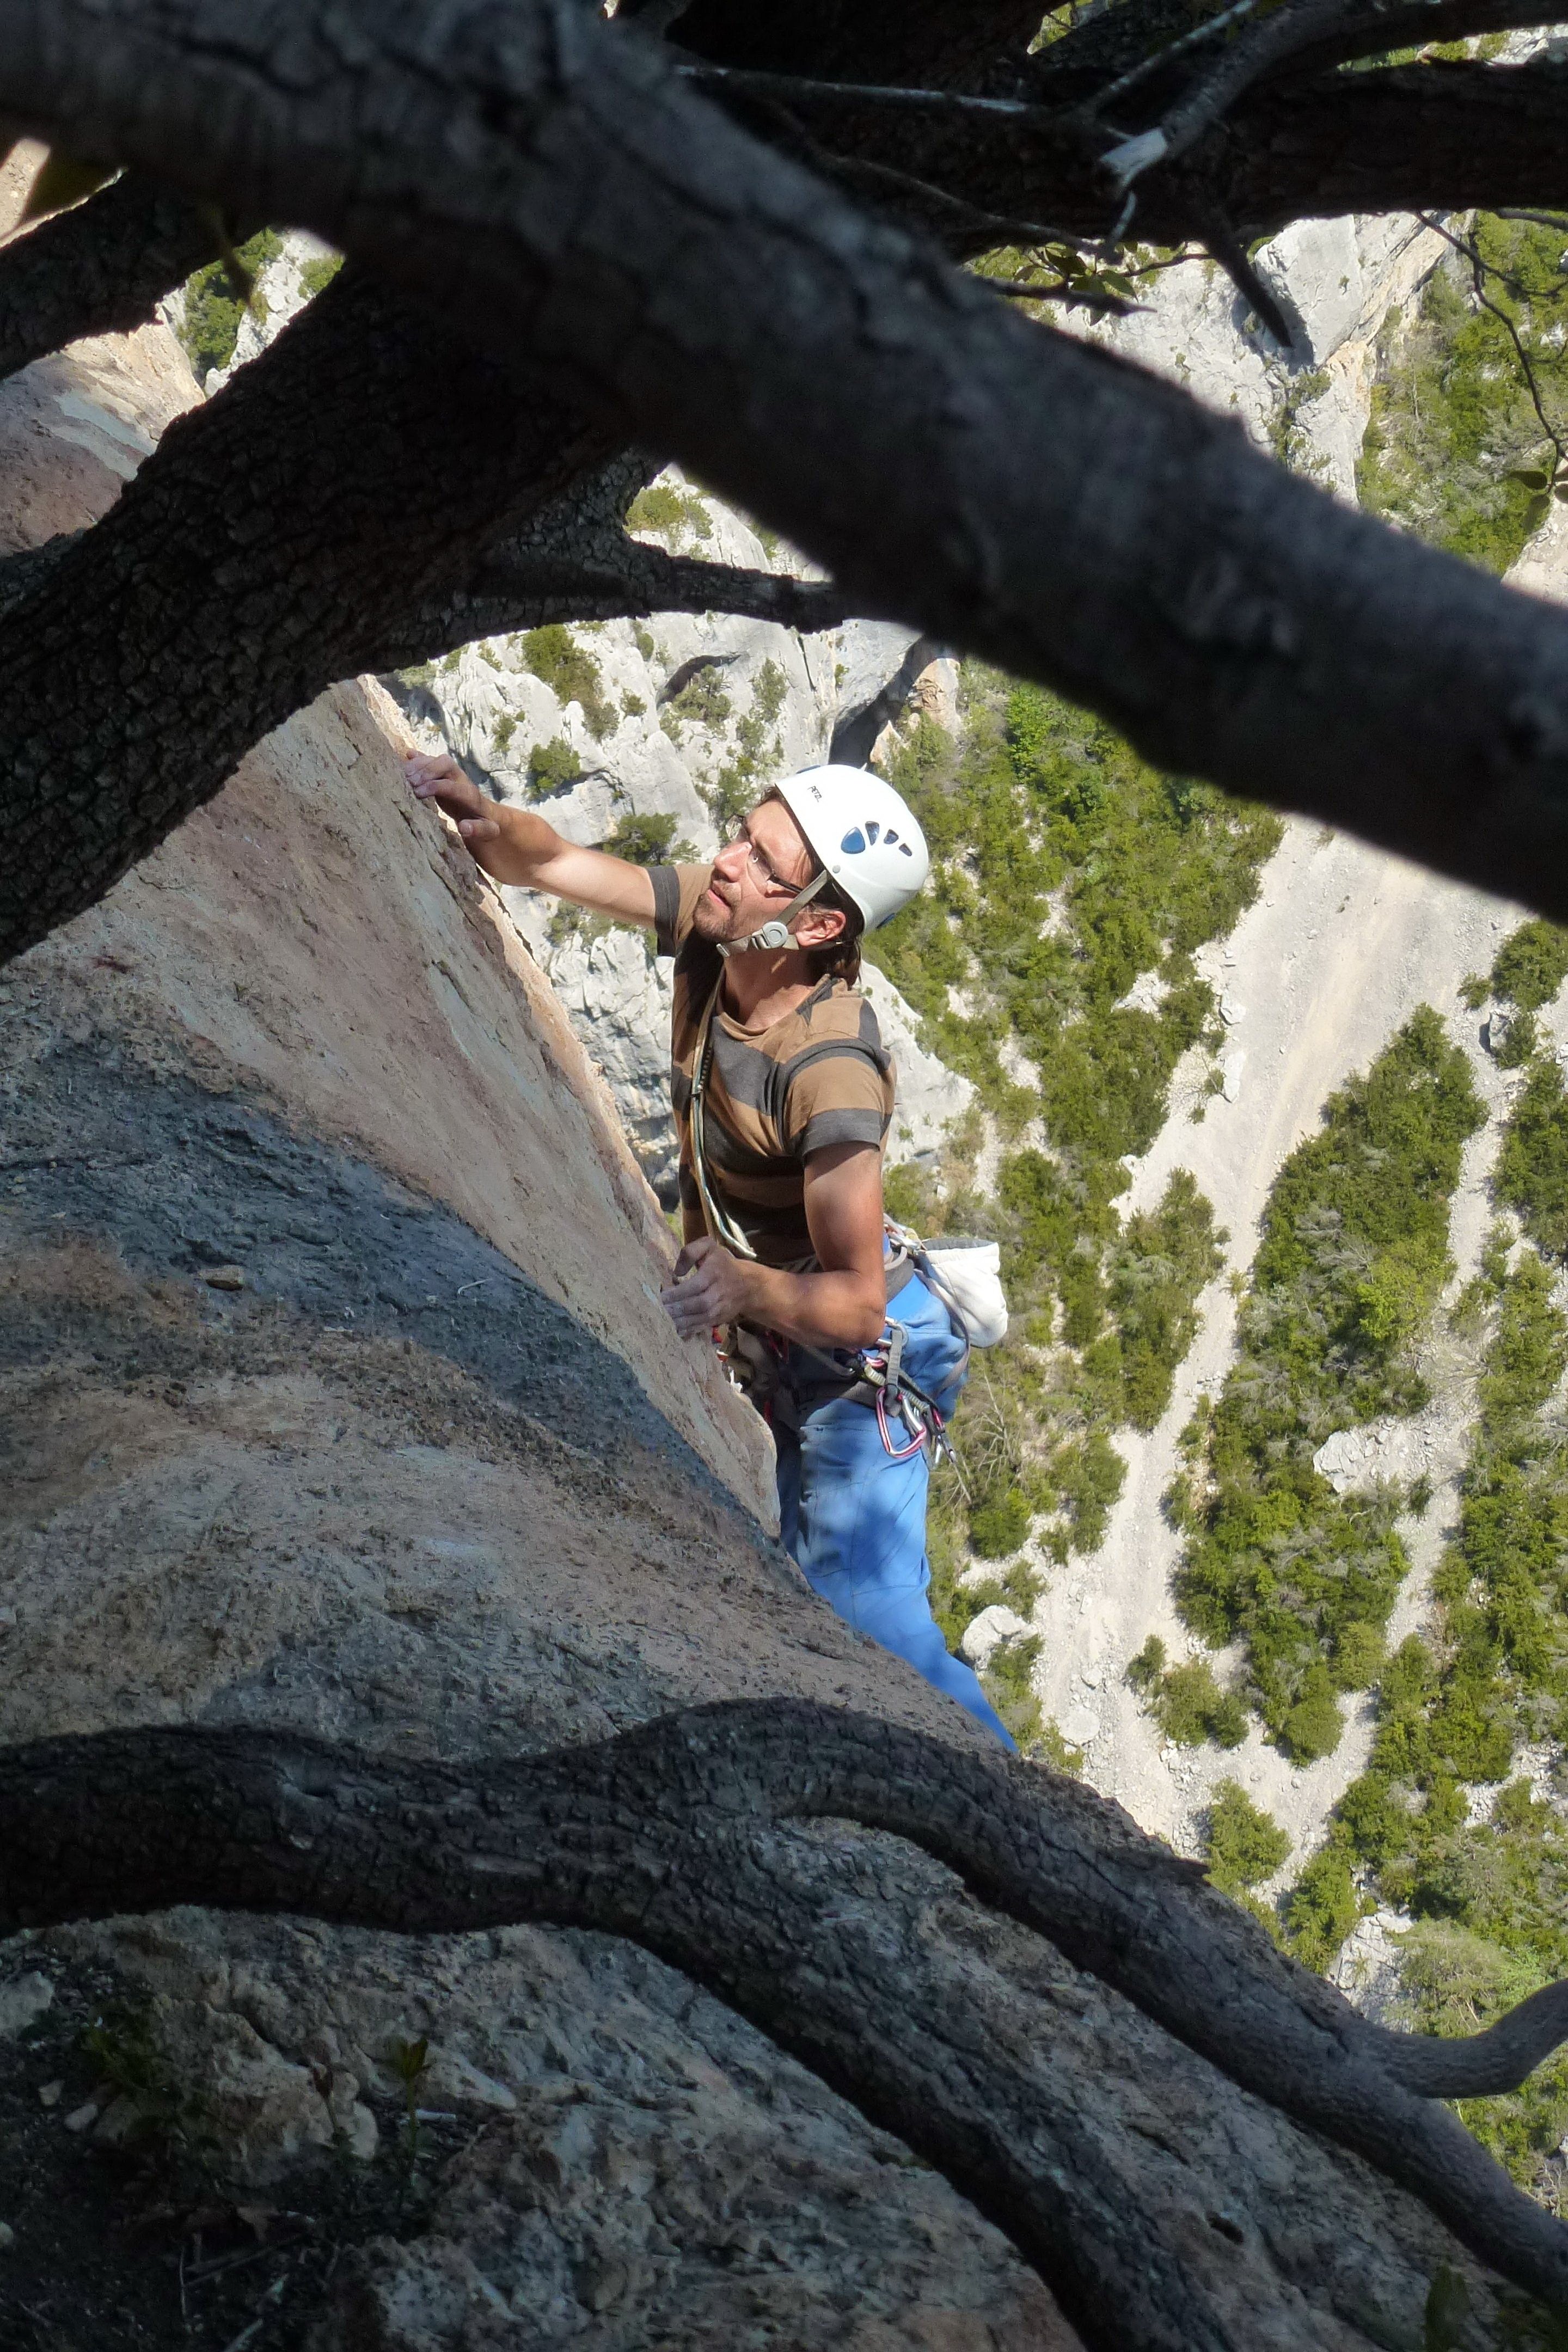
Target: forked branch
624,1835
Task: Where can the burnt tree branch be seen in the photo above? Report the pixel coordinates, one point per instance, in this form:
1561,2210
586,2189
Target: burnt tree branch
364,495
320,517
100,269
1126,41
1438,137
546,181
653,1835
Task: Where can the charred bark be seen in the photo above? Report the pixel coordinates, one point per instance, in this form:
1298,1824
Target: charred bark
270,546
649,1836
928,41
1439,137
100,269
554,191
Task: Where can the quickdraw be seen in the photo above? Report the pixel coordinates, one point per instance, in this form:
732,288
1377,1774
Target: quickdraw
881,1372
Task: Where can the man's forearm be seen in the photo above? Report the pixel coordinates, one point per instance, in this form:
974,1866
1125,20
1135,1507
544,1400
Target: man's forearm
822,1310
522,843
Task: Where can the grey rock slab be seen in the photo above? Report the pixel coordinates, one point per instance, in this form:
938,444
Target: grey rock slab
22,2002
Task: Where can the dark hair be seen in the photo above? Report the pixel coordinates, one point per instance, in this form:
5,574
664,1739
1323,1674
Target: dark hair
840,958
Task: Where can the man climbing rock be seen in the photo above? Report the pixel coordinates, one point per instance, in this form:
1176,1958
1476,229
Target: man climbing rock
784,1094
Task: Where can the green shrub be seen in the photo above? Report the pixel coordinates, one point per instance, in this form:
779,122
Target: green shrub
1531,965
1452,422
1533,1164
570,673
1192,1708
1243,1845
648,841
1145,1669
1352,1258
317,275
1186,1701
769,689
215,305
998,1529
1050,1747
1311,1727
1009,1685
1155,1272
676,516
552,767
1519,1043
1322,1907
703,700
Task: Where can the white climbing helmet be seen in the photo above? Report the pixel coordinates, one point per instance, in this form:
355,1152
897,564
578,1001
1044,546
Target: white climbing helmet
863,832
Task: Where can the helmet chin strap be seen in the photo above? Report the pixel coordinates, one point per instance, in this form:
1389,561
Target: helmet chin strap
776,934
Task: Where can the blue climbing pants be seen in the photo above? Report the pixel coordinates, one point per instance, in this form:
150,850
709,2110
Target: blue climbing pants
853,1518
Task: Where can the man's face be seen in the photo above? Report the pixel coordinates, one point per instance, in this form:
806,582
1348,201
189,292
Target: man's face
755,877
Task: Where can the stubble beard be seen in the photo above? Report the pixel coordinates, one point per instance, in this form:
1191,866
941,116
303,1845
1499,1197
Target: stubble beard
713,923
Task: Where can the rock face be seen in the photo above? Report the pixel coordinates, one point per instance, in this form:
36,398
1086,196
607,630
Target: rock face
1336,282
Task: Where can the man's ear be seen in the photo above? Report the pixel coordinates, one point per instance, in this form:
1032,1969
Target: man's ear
821,927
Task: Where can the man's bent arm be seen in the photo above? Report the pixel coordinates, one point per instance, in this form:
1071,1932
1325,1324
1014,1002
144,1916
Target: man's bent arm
845,1306
515,846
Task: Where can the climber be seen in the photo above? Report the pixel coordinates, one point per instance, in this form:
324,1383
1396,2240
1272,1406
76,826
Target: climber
784,1094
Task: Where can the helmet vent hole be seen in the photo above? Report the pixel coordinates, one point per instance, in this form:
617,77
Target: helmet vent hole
889,837
872,830
906,850
853,843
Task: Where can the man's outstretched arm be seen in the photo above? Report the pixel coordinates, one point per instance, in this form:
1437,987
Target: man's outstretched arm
515,846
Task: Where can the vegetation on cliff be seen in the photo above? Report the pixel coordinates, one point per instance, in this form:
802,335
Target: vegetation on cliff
1051,962
1454,1822
1455,450
1353,1254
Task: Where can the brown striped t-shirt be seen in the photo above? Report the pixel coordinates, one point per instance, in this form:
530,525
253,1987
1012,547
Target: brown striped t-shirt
774,1094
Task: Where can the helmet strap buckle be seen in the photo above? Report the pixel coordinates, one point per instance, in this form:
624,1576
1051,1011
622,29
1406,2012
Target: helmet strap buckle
778,933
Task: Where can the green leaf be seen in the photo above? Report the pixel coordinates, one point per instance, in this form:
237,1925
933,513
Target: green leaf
1447,2309
409,2057
62,180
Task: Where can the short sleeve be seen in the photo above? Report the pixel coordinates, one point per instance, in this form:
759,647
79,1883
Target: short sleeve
676,890
841,1094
